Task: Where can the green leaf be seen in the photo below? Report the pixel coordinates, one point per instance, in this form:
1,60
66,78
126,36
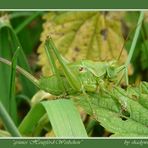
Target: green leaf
121,112
12,102
67,116
30,121
8,44
113,123
64,118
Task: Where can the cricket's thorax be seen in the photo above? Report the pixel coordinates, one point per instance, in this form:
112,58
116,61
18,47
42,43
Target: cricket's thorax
91,74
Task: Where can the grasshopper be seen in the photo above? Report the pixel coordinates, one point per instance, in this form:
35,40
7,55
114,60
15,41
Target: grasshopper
80,76
71,78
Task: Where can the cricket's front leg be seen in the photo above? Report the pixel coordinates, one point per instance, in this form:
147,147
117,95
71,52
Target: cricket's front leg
72,79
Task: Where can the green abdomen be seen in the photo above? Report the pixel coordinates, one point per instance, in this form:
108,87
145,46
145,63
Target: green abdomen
55,86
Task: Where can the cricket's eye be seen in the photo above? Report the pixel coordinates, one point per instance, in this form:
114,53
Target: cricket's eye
81,69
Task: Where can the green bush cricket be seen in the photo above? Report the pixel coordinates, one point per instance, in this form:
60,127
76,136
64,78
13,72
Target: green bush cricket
80,76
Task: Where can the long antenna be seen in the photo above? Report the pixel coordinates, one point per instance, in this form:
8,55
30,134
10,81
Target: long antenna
131,31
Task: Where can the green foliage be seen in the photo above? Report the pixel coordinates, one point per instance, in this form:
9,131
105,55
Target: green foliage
78,35
140,57
62,114
122,112
8,123
12,101
28,31
9,42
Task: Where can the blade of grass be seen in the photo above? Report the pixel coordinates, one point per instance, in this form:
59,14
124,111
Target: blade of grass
14,15
31,119
42,123
30,28
90,126
10,126
64,118
12,102
4,72
27,21
8,44
141,16
62,114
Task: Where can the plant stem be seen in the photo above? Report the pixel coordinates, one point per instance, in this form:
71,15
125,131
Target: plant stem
8,122
133,44
23,72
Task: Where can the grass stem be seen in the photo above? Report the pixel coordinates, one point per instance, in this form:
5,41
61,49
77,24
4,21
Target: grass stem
133,44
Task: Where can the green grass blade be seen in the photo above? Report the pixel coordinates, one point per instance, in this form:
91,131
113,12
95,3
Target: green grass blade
28,29
4,78
27,21
8,122
141,17
64,118
8,44
17,14
62,114
30,121
12,103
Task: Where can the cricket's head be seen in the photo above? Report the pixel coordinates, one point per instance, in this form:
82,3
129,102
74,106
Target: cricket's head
114,70
112,67
112,63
